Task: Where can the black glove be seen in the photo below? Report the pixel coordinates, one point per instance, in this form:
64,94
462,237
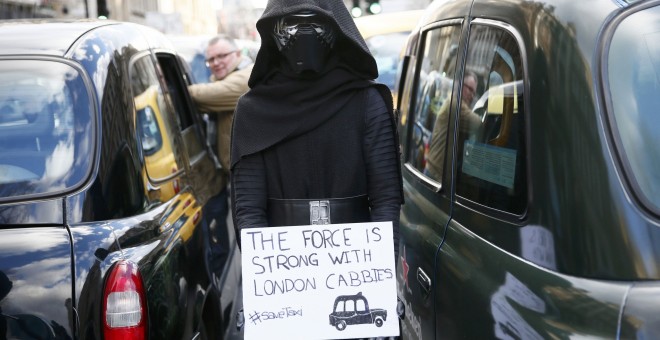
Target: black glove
400,308
240,320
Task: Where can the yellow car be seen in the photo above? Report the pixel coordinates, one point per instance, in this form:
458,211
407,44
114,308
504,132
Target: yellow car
156,142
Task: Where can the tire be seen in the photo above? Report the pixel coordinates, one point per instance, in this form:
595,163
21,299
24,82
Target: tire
378,322
341,325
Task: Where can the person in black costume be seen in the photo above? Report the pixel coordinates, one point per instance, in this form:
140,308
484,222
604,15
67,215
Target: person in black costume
314,139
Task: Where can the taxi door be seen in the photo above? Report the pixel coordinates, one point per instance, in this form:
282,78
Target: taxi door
427,90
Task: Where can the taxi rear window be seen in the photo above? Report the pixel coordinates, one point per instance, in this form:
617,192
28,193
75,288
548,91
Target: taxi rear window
45,128
633,75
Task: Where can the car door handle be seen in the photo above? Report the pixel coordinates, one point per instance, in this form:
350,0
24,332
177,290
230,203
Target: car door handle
424,280
153,192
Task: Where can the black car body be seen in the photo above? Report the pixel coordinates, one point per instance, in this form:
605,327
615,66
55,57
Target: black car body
532,210
106,190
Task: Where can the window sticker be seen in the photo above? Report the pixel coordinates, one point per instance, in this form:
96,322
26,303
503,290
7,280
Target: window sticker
490,163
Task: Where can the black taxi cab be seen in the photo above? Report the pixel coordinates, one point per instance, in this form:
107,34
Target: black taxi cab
529,133
106,190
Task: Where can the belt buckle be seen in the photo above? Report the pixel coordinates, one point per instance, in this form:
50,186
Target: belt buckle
319,212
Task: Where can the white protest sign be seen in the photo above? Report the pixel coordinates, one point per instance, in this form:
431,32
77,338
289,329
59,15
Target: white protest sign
332,281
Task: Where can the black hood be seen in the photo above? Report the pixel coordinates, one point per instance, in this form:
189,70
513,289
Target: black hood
350,47
281,104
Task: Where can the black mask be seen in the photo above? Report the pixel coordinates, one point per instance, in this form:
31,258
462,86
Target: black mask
305,40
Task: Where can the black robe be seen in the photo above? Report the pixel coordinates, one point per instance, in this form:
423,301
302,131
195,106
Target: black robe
331,135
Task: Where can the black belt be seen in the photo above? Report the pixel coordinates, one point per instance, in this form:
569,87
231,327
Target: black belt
289,212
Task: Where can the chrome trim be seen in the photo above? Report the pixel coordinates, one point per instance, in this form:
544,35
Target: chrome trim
435,186
424,280
450,22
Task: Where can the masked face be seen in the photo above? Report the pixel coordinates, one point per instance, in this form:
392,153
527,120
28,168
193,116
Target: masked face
305,40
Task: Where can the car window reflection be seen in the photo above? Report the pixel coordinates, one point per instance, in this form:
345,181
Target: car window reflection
154,129
44,115
634,64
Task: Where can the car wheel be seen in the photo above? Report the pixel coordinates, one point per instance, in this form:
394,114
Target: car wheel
378,322
341,325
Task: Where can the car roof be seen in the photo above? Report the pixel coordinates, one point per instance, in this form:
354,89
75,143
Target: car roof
391,22
43,36
351,297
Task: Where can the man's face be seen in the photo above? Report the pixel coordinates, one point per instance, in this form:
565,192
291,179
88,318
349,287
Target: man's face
221,58
469,89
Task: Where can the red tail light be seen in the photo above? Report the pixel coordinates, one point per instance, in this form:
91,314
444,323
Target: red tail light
124,310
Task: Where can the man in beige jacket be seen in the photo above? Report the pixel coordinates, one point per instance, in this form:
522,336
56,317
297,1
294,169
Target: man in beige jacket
229,80
230,72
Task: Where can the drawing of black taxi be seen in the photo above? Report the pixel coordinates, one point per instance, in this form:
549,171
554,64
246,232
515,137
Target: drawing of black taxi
353,310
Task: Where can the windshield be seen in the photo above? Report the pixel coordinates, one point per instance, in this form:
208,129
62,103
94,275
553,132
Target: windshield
45,128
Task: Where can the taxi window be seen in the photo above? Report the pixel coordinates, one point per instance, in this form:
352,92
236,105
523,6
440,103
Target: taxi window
431,103
175,85
491,136
46,129
633,75
350,306
360,305
156,125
